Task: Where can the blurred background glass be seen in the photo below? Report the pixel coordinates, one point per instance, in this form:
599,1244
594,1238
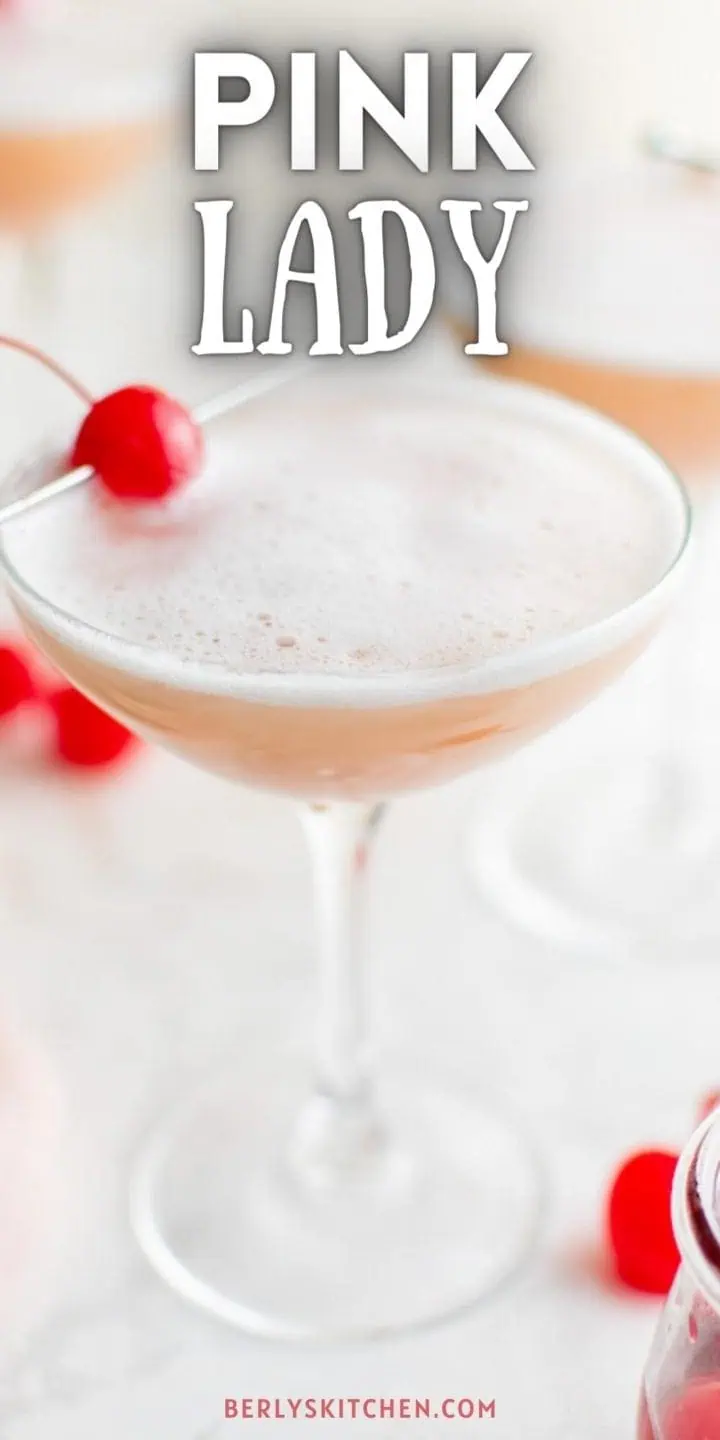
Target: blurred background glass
612,296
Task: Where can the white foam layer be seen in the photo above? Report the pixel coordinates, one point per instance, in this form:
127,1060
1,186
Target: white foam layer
68,62
346,531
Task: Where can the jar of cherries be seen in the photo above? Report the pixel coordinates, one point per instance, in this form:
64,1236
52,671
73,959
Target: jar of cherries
681,1389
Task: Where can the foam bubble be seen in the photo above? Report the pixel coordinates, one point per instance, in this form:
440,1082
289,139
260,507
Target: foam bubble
364,530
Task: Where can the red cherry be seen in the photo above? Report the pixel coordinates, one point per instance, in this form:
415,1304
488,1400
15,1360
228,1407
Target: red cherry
639,1225
16,682
84,735
694,1414
141,443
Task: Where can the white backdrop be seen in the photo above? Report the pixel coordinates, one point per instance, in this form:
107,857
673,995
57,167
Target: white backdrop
140,925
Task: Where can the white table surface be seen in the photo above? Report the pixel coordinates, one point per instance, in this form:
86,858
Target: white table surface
140,931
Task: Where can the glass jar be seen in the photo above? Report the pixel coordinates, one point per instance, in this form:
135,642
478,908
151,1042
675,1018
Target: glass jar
681,1389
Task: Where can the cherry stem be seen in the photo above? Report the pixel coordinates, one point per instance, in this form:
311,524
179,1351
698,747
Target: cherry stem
8,343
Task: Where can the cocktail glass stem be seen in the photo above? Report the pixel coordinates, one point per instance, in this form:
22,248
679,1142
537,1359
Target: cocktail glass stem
325,1208
340,1134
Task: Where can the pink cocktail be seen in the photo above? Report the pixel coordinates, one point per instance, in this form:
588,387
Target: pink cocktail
590,312
81,102
85,102
380,581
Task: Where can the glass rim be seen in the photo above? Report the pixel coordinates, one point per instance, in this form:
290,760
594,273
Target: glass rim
524,665
590,358
632,361
624,367
705,1271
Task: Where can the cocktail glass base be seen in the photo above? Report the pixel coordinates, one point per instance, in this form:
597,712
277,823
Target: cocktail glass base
617,857
239,1212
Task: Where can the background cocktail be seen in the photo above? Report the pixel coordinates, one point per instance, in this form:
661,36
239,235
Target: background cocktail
312,616
85,99
677,413
611,296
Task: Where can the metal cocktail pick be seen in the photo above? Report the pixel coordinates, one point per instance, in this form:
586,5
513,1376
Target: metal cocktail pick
211,410
684,153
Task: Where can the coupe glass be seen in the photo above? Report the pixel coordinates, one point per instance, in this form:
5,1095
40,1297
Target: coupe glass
84,101
316,1200
680,1398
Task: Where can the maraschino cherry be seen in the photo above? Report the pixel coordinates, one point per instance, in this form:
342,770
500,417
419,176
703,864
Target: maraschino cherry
82,735
17,685
639,1226
85,737
140,443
